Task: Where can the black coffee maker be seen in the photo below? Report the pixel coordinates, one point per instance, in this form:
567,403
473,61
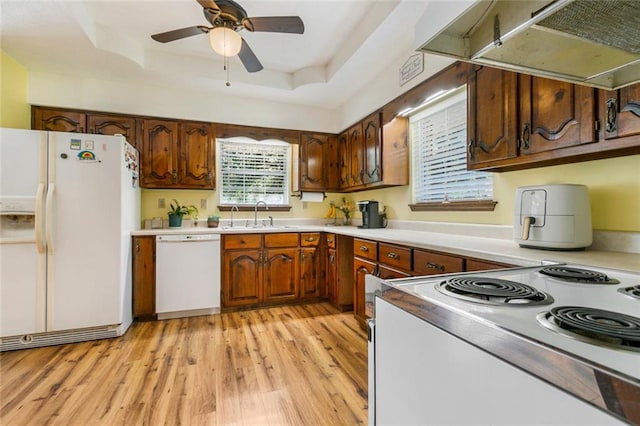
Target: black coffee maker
371,217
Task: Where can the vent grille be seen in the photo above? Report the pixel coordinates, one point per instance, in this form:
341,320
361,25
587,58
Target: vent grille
58,338
611,23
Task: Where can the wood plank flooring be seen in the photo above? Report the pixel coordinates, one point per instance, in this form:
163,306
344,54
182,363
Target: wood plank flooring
293,365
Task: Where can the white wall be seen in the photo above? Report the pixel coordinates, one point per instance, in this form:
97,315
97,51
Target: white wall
139,99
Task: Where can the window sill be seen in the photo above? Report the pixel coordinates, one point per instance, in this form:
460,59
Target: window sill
455,206
252,207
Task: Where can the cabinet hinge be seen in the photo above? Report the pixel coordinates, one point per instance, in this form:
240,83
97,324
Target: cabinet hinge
596,125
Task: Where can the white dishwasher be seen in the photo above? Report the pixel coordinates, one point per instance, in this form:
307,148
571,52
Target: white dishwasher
187,275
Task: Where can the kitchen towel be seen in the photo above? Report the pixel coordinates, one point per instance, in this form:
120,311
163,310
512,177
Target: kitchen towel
314,197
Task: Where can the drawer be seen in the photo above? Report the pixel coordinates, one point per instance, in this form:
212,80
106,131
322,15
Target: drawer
481,265
394,256
242,241
309,239
365,248
289,239
430,263
388,273
331,240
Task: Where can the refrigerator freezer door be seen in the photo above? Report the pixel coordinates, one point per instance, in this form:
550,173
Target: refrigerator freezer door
22,267
84,274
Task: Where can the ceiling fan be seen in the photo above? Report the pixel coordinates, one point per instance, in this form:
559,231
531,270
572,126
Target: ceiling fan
227,18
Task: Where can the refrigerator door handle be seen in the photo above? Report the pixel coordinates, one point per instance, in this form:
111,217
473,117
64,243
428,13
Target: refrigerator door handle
49,217
40,246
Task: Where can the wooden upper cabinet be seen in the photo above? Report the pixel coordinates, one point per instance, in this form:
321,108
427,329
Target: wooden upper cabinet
197,156
107,124
57,120
356,143
177,155
492,120
344,160
159,154
620,112
318,162
554,114
372,143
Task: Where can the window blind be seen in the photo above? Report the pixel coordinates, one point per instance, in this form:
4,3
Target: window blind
252,171
439,140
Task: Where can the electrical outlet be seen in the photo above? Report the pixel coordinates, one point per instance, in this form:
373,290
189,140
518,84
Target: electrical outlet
162,204
203,203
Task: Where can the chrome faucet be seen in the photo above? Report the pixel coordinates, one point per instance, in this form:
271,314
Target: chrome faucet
255,213
235,206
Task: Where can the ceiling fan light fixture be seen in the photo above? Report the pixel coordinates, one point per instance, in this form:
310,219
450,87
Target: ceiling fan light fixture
225,41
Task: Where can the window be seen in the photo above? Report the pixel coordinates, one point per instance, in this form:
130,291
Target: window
254,170
440,178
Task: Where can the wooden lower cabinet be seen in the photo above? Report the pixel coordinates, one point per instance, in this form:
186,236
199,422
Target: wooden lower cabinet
482,265
361,269
241,277
144,277
311,284
280,274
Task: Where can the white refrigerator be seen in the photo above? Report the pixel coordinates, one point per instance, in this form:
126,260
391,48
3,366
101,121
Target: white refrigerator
68,203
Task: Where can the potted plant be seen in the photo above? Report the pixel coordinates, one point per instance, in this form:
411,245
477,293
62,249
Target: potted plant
178,211
213,221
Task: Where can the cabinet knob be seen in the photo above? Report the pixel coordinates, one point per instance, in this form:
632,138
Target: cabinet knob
310,239
364,248
392,255
174,176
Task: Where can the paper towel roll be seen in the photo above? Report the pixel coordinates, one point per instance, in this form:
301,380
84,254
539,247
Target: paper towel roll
314,197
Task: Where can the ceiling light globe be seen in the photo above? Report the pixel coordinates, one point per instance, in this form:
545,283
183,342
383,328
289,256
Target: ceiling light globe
225,41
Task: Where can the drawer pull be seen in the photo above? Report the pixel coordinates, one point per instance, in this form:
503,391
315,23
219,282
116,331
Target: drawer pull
393,255
435,266
310,239
364,248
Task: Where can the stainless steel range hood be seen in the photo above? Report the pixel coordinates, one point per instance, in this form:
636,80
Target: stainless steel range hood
591,42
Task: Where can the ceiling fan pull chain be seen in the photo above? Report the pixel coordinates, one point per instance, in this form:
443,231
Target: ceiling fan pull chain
226,68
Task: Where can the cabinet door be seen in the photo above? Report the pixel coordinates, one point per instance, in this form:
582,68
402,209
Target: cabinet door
144,277
280,274
621,112
197,156
105,124
331,275
361,269
372,142
159,154
554,114
314,153
344,161
57,120
241,277
389,274
491,121
356,142
310,285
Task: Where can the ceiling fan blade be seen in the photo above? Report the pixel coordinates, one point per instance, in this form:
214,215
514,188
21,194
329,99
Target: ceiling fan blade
181,33
275,24
248,58
209,4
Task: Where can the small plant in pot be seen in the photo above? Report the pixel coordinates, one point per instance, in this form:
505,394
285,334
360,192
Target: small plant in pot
213,221
178,211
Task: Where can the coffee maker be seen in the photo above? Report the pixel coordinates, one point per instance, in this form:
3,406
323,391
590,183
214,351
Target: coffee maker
371,217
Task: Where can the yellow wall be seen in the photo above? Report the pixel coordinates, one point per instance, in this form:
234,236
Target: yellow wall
14,110
614,189
614,184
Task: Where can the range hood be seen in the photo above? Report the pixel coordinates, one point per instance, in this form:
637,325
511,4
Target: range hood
590,42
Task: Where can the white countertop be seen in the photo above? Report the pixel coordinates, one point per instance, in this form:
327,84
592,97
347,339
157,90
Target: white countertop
500,250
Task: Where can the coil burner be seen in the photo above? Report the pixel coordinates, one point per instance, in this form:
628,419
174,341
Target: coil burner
493,291
577,275
633,291
595,326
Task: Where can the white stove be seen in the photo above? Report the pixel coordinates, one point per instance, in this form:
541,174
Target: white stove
492,339
603,295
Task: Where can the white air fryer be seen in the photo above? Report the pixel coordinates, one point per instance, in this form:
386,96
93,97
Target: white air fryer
555,217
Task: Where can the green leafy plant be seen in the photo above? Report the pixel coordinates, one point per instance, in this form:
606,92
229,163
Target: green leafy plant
180,210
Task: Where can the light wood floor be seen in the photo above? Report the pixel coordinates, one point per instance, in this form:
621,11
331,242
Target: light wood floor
296,365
